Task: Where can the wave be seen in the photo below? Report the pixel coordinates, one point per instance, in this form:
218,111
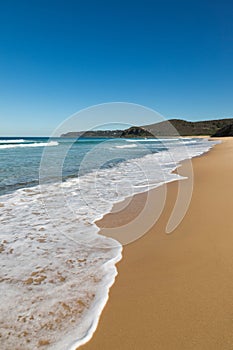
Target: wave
35,144
190,142
153,140
12,141
180,141
127,146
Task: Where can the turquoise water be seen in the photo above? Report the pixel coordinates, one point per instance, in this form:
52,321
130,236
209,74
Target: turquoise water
20,157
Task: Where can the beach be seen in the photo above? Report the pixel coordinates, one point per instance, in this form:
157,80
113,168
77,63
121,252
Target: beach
175,291
58,296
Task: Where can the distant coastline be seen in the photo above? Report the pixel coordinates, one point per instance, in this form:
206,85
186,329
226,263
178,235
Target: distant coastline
181,127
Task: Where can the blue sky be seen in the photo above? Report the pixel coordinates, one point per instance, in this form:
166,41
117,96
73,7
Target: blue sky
57,57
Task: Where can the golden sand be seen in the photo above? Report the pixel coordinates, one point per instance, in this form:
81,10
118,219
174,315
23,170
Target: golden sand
176,291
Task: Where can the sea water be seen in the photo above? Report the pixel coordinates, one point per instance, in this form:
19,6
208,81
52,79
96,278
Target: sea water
56,270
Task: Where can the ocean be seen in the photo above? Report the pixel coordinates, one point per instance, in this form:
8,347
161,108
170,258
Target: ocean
56,270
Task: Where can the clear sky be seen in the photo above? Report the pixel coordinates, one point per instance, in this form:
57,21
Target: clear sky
57,57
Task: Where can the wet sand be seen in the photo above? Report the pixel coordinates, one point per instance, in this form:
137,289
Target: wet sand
176,291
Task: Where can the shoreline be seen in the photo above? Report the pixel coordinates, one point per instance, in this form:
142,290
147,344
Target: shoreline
116,317
79,298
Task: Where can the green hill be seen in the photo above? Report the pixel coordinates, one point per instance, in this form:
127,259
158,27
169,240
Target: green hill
185,128
172,127
226,131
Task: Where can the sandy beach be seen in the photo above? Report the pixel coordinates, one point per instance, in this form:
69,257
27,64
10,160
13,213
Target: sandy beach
176,291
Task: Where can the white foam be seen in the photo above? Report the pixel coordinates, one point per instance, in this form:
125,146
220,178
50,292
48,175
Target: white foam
127,146
189,142
12,141
35,144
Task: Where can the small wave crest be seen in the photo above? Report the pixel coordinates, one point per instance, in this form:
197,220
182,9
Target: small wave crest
35,144
127,146
12,141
